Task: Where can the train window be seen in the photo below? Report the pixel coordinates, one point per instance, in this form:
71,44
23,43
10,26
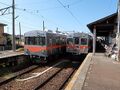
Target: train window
31,41
76,40
63,41
40,41
69,40
57,41
83,41
54,41
36,40
27,40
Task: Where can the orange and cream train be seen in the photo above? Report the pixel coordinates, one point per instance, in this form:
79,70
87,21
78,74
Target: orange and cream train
40,45
78,43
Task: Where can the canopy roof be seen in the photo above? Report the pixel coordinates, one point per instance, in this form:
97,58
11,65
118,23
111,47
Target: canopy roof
104,26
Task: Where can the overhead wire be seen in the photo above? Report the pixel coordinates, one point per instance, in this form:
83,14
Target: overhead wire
8,21
5,4
69,12
39,15
33,13
37,11
26,10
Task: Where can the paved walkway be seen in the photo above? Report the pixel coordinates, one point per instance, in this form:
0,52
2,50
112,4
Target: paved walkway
9,53
97,73
103,74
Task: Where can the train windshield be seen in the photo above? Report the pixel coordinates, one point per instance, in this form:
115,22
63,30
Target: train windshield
76,40
83,41
69,40
35,41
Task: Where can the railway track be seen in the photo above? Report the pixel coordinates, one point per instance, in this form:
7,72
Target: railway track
8,78
58,80
59,71
42,78
14,82
30,68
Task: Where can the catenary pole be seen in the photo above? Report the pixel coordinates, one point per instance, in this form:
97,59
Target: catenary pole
118,29
20,32
13,26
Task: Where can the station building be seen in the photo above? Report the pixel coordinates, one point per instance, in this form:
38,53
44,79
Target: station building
2,37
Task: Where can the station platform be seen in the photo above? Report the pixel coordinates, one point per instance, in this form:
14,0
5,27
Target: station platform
97,72
9,53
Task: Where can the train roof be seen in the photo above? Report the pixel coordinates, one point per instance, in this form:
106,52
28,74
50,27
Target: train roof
76,34
35,33
80,34
40,33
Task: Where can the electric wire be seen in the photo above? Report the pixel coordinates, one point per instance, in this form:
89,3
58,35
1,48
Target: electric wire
37,11
69,11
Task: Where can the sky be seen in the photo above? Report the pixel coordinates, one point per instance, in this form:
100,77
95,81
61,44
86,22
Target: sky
66,15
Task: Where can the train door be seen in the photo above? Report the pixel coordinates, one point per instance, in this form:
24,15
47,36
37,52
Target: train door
76,43
70,44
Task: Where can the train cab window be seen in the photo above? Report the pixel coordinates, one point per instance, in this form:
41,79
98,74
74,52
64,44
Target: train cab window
42,39
36,40
69,40
28,41
31,41
83,41
76,40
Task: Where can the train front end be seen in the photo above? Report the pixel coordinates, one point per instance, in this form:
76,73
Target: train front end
77,43
35,46
81,41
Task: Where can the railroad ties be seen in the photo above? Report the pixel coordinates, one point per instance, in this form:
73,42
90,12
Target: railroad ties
53,75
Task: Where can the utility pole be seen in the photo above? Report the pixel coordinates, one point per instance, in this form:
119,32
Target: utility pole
118,29
20,32
43,26
13,26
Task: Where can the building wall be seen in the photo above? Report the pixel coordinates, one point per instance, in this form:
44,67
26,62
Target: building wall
2,38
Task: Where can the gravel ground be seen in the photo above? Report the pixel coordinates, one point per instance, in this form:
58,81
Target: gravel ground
3,78
58,80
40,69
29,84
32,83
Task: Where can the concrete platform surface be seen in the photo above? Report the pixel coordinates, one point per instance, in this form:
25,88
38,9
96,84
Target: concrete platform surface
9,53
103,73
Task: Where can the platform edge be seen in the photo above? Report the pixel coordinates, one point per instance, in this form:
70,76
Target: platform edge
81,72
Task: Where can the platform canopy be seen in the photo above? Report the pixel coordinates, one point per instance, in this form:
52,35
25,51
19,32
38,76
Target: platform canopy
104,26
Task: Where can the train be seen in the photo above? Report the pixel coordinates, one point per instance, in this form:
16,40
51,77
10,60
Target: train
41,45
78,43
